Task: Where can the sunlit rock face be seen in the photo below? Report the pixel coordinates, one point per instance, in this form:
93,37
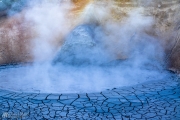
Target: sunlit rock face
23,31
81,47
15,40
166,22
174,54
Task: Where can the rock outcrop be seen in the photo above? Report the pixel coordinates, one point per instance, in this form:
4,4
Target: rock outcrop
81,47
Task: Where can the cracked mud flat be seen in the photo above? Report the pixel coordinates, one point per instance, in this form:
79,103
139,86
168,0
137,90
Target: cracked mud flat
158,100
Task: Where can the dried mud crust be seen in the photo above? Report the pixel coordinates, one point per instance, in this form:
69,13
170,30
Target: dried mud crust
153,100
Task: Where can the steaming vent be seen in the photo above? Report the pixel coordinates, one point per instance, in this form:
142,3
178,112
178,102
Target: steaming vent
85,46
81,48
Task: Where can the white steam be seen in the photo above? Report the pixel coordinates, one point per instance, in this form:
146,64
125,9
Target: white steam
131,55
51,24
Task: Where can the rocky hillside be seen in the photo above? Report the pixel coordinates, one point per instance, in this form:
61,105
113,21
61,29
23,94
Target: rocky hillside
166,26
165,13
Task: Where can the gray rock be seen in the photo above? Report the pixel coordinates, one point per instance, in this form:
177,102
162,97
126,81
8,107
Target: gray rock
81,47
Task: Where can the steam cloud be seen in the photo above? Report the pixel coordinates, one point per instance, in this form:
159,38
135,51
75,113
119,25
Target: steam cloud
86,54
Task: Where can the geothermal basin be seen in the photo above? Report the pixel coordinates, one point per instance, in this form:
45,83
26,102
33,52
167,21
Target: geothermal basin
86,46
90,59
83,65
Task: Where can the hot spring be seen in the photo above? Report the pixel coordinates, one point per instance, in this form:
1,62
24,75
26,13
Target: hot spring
89,52
83,65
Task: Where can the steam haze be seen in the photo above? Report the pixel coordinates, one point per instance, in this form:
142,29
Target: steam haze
87,52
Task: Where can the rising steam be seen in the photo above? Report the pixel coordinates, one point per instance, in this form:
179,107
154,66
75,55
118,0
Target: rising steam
88,52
